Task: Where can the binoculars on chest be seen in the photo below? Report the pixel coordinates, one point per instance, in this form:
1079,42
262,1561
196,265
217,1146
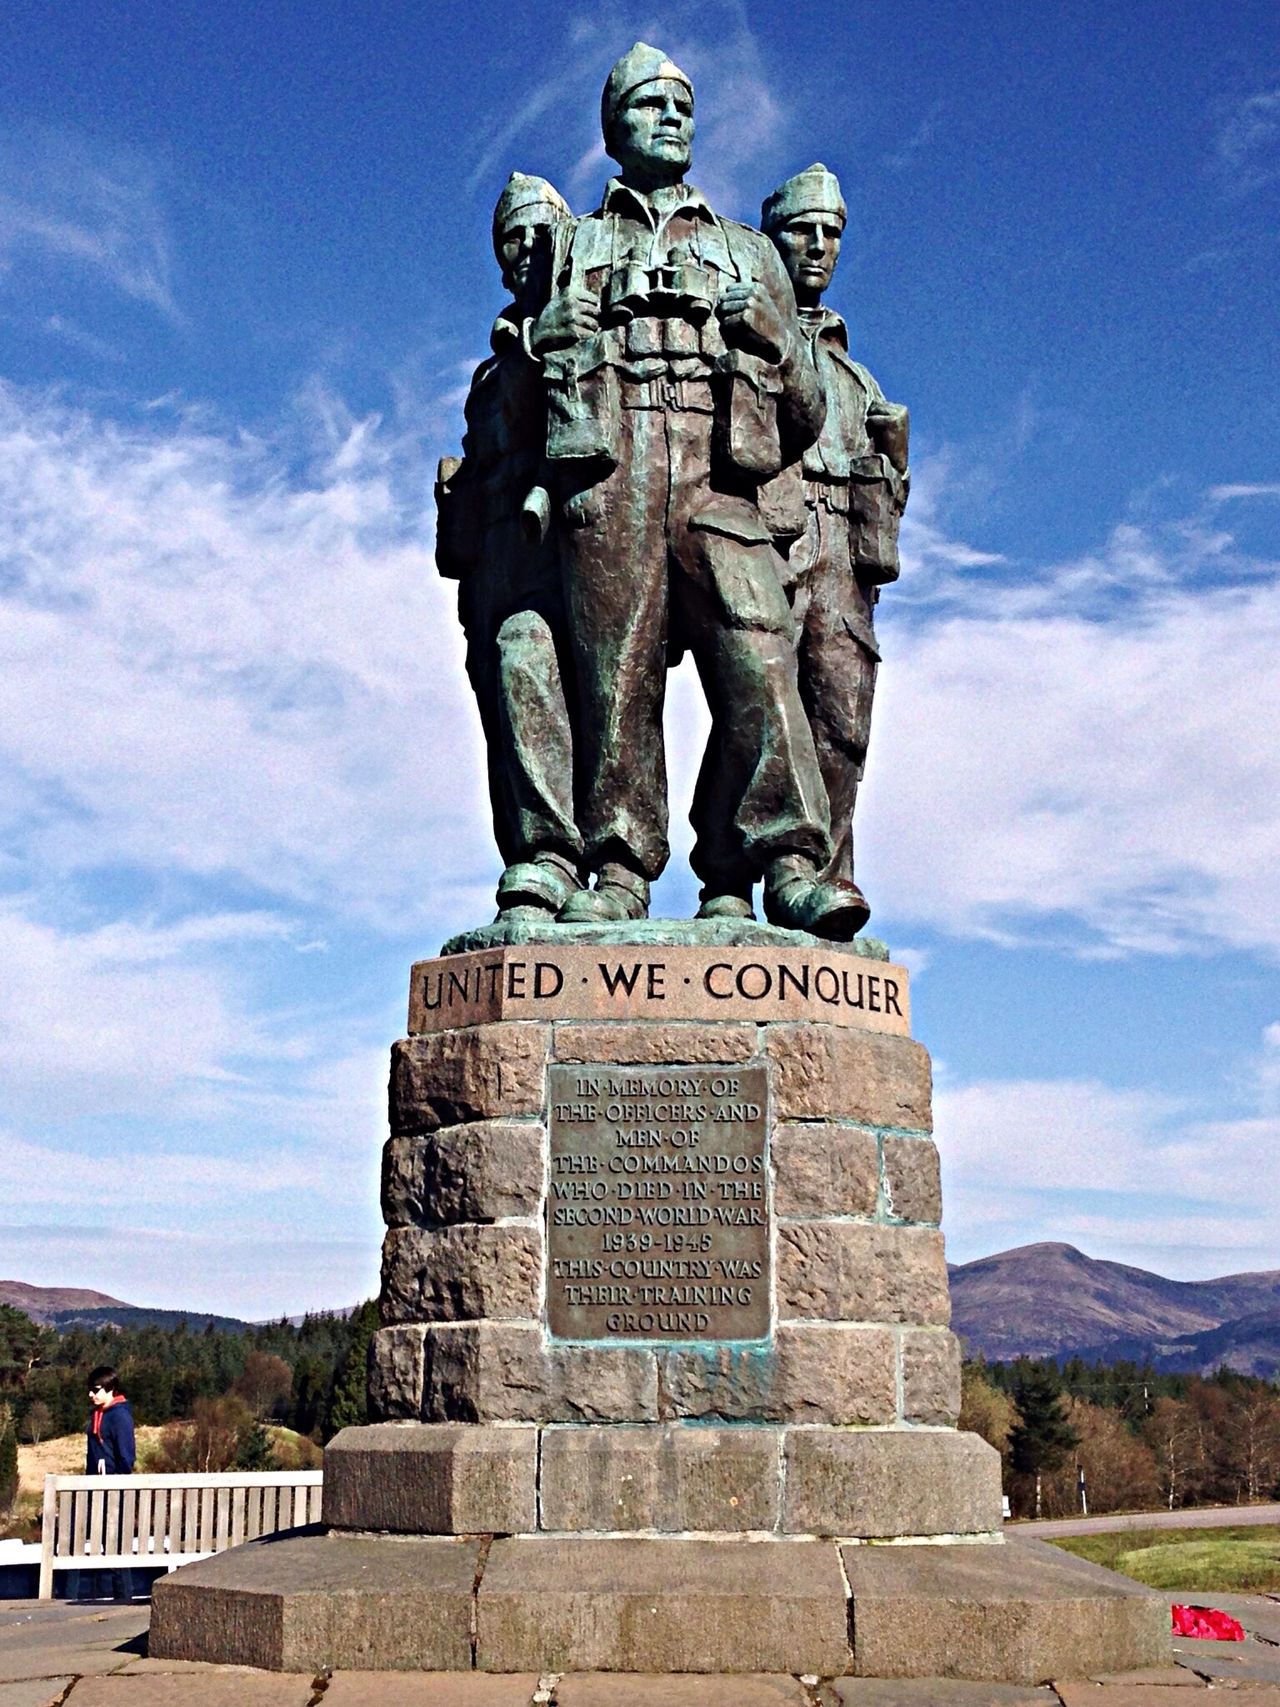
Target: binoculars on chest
674,290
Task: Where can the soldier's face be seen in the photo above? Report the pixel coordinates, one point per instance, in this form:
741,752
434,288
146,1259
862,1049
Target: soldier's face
653,133
524,250
810,247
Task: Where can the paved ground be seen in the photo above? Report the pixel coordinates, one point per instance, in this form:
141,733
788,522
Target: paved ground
57,1655
1205,1517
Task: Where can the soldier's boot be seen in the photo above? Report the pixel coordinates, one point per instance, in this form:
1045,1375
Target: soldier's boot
540,885
797,896
719,901
620,893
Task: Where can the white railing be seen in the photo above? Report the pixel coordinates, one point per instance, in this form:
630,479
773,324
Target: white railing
121,1522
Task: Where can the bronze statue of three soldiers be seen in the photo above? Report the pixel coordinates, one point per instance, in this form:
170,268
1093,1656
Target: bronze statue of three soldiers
669,450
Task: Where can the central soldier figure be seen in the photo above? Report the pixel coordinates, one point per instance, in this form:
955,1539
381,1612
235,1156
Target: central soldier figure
678,387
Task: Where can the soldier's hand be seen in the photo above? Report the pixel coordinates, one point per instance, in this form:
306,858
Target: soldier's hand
750,316
568,317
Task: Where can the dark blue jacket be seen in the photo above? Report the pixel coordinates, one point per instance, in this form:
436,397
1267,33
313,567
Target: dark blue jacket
114,1448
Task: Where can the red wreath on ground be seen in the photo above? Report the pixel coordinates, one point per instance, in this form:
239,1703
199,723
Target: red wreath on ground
1207,1624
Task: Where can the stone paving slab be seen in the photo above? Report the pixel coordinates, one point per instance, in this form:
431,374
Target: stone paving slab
611,1689
430,1689
183,1690
33,1692
1246,1662
1125,1694
69,1641
937,1692
166,1668
1169,1677
1152,1694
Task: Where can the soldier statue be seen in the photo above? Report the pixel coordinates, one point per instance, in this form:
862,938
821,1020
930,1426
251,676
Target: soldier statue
671,450
492,537
678,385
856,482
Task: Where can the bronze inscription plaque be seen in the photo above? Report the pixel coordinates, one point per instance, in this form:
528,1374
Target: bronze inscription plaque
658,1203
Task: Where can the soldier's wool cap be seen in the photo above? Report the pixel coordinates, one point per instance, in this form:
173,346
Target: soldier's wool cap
522,190
639,65
815,190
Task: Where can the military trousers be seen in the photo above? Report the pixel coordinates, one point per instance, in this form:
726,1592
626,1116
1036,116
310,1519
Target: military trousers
838,659
655,559
520,668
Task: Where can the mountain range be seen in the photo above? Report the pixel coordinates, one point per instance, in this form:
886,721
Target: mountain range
1046,1300
1050,1300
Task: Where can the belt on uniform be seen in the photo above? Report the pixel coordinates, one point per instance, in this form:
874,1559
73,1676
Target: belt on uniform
830,495
663,392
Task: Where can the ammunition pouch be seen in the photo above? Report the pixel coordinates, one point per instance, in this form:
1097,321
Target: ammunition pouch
582,414
746,427
876,498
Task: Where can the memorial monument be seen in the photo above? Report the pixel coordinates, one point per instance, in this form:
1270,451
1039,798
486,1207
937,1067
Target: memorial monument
665,1380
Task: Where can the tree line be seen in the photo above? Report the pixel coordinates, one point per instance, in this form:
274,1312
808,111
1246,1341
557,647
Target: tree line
1139,1438
1120,1437
307,1376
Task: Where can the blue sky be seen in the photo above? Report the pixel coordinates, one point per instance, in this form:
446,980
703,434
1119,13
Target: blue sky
244,275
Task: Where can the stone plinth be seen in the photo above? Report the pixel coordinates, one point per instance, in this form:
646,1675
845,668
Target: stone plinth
653,1185
664,1367
846,1322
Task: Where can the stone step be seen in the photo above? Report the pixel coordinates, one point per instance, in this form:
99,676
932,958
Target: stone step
1021,1612
1025,1612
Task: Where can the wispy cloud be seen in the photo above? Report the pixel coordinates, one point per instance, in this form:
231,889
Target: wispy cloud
1089,1162
1247,147
61,201
1226,494
740,117
231,659
902,158
1044,773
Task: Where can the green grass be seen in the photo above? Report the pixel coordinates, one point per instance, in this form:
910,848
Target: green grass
1229,1561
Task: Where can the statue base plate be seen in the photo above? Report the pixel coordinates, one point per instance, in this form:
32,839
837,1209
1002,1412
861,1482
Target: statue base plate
1020,1612
656,933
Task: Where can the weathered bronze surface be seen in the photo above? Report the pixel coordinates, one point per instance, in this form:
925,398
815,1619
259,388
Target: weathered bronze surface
666,455
658,1203
855,483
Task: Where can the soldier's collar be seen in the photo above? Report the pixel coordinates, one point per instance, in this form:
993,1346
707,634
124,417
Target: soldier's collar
618,196
826,324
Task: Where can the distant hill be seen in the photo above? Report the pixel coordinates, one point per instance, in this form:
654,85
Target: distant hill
40,1302
1050,1300
134,1316
67,1307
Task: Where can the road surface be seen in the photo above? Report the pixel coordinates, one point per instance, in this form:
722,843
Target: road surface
1204,1517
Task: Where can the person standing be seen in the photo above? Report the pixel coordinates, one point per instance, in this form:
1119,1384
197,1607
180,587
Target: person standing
111,1451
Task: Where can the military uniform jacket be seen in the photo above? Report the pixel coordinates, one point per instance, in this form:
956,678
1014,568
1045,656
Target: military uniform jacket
658,277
